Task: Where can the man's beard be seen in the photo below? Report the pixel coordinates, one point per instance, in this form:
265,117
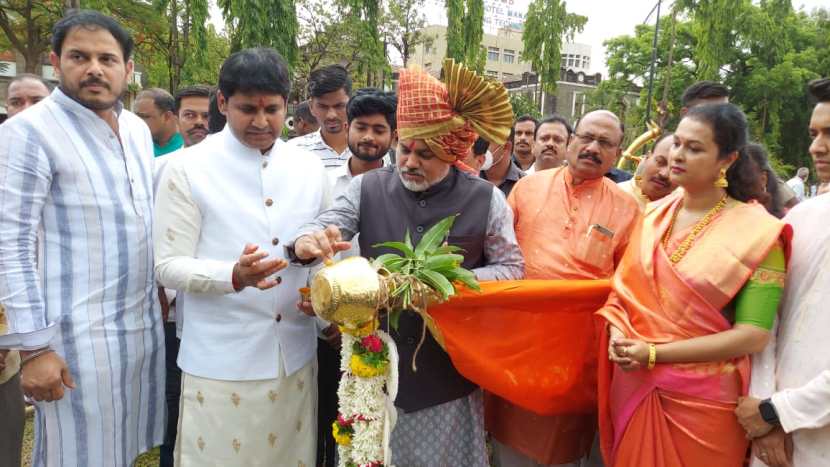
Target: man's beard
74,93
414,186
355,149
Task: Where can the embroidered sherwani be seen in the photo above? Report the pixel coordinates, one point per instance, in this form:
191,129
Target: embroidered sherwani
565,231
89,191
247,358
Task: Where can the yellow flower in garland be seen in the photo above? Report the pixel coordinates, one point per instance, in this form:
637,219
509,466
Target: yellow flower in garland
364,370
342,431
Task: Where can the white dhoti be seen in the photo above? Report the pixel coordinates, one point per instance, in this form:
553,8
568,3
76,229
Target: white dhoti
248,423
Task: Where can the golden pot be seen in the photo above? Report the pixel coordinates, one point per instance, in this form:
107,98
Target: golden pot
346,292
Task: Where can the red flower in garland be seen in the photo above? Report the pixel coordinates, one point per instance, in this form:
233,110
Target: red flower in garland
372,343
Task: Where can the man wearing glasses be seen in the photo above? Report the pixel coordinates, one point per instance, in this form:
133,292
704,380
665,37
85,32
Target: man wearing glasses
571,222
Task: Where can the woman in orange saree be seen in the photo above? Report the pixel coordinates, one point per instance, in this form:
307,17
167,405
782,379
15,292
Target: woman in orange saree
693,297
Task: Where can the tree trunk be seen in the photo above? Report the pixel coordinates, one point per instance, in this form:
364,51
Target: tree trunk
664,102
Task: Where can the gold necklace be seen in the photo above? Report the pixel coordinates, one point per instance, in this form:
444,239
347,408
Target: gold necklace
684,246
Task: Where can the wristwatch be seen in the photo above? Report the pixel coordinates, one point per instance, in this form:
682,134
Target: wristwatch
768,412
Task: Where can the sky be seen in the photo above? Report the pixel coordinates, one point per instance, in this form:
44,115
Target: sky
606,18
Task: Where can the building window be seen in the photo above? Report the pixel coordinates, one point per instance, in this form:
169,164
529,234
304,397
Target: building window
564,62
493,54
492,73
509,55
507,75
8,68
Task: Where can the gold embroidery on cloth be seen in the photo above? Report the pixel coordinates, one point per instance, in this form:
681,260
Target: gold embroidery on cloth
200,398
235,399
272,395
764,276
272,439
299,425
300,384
236,445
201,443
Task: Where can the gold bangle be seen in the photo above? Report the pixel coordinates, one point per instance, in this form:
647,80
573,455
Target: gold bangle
652,356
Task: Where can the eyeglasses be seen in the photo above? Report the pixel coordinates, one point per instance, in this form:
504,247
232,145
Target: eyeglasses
604,144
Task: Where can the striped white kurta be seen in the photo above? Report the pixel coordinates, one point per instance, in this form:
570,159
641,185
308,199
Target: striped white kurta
89,292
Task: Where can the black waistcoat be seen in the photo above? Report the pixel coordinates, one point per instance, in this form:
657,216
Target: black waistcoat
387,210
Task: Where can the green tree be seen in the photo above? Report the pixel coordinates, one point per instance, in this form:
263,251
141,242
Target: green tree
715,27
465,31
186,35
405,22
523,105
26,26
548,23
268,23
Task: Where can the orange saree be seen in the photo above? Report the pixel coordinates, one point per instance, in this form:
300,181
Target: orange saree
680,415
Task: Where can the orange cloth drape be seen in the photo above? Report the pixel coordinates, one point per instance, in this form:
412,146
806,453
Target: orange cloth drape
531,342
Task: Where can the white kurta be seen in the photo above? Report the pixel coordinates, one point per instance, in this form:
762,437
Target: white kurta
91,298
249,385
795,367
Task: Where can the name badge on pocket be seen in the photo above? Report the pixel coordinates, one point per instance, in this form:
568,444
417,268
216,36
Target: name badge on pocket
600,229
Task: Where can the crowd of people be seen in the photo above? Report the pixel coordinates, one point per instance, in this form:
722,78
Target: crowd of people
150,263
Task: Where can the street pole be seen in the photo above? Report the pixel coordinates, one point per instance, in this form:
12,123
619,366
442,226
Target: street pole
653,60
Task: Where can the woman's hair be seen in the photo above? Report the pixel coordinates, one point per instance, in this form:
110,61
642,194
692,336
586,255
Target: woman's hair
756,153
729,126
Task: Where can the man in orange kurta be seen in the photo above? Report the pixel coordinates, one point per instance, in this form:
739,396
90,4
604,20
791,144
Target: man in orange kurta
571,223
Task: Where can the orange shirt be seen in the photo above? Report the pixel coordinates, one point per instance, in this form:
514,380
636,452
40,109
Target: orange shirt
569,231
565,231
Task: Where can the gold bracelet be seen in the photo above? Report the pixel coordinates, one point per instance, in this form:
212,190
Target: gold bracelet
652,356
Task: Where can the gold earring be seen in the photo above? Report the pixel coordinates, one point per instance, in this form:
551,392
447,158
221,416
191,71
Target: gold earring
721,181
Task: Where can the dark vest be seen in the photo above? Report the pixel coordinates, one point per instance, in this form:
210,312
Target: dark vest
387,210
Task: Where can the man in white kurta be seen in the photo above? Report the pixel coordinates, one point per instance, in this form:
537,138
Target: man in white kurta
247,352
791,378
76,170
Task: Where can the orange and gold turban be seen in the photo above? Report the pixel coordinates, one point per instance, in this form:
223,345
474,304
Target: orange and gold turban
448,116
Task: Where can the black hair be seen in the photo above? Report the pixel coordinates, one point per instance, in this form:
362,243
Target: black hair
216,119
371,101
480,146
303,112
161,99
554,119
771,199
703,90
256,70
523,118
329,79
197,90
28,76
820,89
729,126
90,20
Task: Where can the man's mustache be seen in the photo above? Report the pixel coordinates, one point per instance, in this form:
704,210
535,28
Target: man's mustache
593,157
94,81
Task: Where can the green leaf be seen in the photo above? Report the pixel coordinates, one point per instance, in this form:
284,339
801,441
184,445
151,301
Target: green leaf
447,249
408,240
437,282
402,247
440,263
434,236
382,260
465,276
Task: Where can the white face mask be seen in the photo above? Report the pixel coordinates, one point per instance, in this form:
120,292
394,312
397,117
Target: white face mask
488,161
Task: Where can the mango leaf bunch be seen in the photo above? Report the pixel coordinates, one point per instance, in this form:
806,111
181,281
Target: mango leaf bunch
430,268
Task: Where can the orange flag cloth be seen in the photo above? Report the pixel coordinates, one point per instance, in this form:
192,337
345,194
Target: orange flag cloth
531,342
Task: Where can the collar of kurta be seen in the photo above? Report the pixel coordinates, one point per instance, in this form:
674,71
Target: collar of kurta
236,146
590,183
71,104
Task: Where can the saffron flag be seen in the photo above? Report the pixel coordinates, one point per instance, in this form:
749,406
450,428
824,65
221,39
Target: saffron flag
532,342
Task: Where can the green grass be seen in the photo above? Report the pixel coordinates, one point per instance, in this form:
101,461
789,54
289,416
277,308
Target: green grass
148,459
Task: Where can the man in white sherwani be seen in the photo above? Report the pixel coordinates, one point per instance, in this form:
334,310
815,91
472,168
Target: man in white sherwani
76,171
223,212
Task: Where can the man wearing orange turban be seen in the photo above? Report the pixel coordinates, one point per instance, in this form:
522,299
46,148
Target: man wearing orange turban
440,412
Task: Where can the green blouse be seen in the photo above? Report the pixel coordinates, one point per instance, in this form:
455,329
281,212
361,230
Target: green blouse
757,302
